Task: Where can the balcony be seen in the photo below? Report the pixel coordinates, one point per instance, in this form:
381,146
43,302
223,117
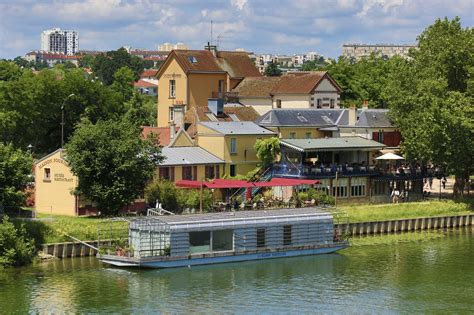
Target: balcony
320,172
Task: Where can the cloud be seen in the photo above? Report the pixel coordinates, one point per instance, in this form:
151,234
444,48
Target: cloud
261,26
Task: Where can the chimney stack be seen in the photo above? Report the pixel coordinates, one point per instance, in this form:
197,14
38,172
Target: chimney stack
365,105
352,115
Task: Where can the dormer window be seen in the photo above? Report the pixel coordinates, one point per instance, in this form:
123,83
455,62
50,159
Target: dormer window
192,59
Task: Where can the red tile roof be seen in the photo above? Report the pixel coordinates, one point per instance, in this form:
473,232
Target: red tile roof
143,83
148,73
256,86
162,133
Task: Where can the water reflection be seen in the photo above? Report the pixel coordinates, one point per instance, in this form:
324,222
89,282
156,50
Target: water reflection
411,277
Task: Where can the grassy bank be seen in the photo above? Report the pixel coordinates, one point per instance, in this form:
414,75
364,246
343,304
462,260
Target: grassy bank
391,239
49,228
365,213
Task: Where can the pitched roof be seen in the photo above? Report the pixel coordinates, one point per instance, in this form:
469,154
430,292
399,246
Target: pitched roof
375,118
188,156
236,64
163,134
237,128
144,83
201,114
256,86
299,117
329,144
148,73
298,83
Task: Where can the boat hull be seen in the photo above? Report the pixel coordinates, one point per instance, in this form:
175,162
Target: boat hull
219,259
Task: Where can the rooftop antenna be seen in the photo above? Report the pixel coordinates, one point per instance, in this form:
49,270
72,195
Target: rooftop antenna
211,32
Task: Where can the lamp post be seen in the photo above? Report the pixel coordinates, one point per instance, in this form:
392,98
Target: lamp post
62,118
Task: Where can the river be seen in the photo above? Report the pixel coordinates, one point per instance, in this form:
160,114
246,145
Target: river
429,276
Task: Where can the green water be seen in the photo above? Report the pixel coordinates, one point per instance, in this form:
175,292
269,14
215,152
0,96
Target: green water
430,276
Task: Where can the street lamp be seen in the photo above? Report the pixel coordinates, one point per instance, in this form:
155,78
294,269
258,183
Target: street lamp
62,118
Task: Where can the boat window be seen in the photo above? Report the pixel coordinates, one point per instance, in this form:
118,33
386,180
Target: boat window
223,240
261,238
287,235
199,242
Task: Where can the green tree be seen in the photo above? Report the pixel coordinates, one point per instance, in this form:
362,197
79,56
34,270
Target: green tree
15,174
105,65
86,61
113,163
9,71
431,100
272,70
267,150
16,248
123,82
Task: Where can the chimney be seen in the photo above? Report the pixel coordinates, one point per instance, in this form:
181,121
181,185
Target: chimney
172,129
365,105
352,115
211,48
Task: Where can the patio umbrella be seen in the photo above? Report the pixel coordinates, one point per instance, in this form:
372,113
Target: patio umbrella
389,156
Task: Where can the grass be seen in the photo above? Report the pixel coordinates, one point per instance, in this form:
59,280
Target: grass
391,239
365,213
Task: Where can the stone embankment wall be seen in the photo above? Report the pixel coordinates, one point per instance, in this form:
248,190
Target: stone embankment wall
74,249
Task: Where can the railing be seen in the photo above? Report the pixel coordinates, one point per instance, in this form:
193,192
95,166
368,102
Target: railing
298,171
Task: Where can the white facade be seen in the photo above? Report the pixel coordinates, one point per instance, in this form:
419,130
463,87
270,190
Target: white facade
358,51
325,96
60,41
170,47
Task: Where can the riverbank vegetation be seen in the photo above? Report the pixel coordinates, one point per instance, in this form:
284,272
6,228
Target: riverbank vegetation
391,239
382,212
17,248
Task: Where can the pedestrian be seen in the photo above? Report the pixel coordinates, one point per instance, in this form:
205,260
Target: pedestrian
431,182
444,182
395,195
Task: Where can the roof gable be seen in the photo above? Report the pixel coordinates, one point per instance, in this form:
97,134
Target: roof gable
181,139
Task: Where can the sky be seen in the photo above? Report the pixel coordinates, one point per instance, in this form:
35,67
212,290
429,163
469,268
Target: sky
268,26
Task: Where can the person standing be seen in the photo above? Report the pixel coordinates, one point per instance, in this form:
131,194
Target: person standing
395,195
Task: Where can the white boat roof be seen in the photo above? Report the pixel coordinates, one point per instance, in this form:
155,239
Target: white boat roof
213,221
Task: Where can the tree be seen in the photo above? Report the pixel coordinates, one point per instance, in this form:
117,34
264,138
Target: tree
113,163
16,248
105,65
123,82
431,100
9,71
15,174
267,150
272,70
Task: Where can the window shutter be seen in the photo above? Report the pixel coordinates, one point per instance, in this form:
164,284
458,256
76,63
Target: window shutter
194,172
172,173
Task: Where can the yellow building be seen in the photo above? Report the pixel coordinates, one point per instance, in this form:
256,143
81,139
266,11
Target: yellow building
188,78
232,142
185,161
54,185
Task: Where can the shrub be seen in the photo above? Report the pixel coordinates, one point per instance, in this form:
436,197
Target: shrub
16,248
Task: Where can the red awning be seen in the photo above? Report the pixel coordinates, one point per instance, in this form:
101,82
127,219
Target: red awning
235,183
287,182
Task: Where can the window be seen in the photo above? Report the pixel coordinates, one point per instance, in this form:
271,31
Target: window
172,88
292,135
222,240
261,238
187,172
379,188
332,103
217,171
47,174
209,171
221,88
199,242
340,191
233,145
171,113
308,135
319,103
286,235
233,170
380,136
358,191
278,103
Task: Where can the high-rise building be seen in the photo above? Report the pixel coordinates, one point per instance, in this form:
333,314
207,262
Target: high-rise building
60,41
170,47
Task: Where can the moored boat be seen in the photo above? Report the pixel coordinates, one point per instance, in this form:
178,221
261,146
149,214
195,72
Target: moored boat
199,239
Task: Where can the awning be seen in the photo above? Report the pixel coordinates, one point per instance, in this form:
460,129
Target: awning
234,183
390,156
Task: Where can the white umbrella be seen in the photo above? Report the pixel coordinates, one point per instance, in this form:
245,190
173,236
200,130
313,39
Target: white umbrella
389,156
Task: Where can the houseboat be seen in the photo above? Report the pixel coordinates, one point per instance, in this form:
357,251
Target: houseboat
168,241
